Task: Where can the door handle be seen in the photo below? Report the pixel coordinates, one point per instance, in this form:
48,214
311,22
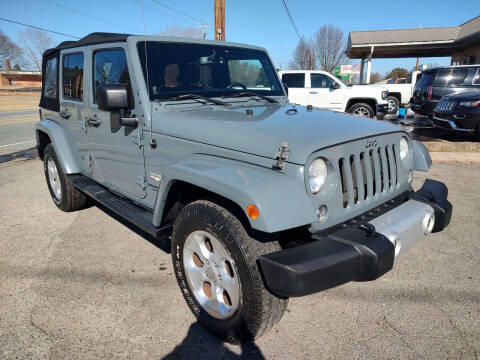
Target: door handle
313,92
65,114
93,121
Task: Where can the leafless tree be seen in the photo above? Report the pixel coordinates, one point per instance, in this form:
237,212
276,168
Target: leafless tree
303,56
9,50
35,42
330,46
375,77
177,30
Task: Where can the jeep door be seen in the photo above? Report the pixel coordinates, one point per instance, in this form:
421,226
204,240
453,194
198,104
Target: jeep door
117,154
322,94
72,101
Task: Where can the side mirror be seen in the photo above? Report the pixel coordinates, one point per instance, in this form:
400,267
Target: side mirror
112,97
335,86
285,86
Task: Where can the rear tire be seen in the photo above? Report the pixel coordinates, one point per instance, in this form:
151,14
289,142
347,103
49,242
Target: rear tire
361,109
64,194
393,104
249,310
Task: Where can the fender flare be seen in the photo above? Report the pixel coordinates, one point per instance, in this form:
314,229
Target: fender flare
421,156
69,161
282,201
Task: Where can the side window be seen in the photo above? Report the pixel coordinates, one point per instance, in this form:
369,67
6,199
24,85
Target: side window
449,77
320,81
72,74
50,79
476,80
294,80
110,68
458,76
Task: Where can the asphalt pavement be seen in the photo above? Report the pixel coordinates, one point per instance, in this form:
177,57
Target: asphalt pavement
82,285
17,130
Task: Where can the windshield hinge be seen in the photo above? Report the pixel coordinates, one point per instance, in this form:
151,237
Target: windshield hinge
282,156
142,182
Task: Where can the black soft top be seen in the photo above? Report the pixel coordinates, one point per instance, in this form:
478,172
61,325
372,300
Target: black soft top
90,39
53,102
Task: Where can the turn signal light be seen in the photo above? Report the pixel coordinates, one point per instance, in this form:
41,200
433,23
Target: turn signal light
252,211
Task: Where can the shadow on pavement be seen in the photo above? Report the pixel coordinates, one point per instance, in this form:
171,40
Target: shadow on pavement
28,154
200,344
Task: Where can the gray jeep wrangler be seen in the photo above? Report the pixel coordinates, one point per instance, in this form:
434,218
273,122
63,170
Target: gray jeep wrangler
195,141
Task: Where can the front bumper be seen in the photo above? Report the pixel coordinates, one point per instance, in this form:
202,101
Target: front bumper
458,120
363,249
381,109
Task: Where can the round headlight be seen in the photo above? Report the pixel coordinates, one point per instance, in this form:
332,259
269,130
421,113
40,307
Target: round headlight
403,148
317,175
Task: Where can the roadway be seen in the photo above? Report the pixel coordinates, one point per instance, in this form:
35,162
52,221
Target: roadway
17,130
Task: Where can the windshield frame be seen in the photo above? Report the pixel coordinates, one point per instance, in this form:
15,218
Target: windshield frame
209,92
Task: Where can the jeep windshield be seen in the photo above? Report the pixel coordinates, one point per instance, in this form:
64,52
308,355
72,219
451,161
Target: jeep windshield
176,69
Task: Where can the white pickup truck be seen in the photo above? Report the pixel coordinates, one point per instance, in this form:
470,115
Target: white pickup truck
400,93
323,90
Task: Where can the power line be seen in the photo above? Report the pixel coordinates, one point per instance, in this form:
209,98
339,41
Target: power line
89,15
291,19
178,11
39,28
163,13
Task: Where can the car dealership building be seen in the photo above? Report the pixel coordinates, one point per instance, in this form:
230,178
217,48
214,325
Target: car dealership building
461,42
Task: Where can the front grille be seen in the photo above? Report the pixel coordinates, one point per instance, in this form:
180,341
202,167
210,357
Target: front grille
445,105
367,174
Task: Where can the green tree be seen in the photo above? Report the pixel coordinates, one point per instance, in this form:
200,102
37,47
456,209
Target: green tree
397,73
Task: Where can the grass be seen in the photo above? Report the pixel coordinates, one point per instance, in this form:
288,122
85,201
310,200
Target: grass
19,101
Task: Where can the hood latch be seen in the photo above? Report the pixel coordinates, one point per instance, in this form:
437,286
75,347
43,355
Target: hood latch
282,156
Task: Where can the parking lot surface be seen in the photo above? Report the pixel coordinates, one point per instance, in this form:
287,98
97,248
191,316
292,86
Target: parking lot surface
83,286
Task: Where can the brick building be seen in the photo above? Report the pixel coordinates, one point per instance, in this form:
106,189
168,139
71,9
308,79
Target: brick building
19,78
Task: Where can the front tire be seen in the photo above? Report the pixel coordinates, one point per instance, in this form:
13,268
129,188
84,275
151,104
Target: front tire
393,104
215,263
361,109
64,194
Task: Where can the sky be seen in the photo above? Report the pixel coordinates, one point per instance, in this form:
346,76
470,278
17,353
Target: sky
258,22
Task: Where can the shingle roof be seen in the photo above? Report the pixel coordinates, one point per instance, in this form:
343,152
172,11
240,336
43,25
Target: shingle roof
404,35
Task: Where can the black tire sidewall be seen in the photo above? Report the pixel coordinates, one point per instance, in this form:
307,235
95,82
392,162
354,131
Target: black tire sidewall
49,153
233,328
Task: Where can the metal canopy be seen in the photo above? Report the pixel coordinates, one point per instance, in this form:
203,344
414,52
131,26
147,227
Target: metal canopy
425,42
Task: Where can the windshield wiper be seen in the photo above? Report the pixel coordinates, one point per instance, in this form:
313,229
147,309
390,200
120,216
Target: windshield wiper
195,97
251,94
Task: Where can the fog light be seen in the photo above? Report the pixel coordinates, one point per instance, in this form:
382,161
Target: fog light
410,177
429,222
322,213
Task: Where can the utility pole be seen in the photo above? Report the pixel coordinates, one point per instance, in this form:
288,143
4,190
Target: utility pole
220,20
418,58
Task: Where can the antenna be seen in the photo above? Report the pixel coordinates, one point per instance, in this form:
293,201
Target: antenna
203,27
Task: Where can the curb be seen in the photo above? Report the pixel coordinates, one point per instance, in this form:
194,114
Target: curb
471,158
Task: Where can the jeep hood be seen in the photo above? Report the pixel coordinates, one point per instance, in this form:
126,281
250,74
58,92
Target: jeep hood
270,125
